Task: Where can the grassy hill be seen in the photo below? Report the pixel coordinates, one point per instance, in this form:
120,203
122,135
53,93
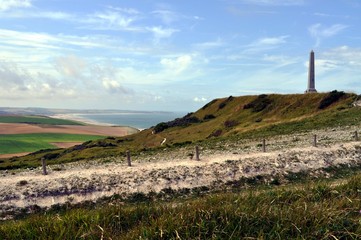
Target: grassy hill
306,208
236,118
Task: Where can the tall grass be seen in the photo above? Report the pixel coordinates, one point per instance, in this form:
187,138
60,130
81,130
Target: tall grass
323,210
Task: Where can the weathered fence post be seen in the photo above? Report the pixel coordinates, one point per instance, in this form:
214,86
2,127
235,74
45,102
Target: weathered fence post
356,136
264,145
197,153
128,158
315,140
43,163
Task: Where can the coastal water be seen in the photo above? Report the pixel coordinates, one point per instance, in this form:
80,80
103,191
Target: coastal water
140,120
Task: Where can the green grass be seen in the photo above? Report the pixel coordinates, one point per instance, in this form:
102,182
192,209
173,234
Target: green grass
283,114
16,143
313,210
36,120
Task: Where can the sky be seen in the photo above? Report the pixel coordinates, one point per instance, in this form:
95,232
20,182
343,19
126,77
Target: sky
172,55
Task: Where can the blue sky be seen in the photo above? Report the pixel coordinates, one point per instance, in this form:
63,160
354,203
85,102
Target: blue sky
172,55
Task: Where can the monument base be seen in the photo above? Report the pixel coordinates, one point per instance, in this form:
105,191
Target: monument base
311,90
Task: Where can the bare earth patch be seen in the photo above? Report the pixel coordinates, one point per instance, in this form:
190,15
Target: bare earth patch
13,155
65,144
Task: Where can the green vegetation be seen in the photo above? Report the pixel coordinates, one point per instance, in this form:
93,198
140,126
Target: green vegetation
247,208
330,98
36,120
238,119
259,104
15,143
312,210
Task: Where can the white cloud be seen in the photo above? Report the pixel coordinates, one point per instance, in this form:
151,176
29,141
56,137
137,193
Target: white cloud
160,32
113,86
279,60
325,65
39,14
265,44
274,2
110,20
70,65
177,65
200,99
270,41
211,44
8,4
346,55
13,78
320,32
167,17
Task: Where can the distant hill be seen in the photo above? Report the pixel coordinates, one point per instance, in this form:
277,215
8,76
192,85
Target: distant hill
242,117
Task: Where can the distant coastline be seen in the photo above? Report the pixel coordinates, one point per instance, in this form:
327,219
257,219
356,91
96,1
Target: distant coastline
78,118
136,119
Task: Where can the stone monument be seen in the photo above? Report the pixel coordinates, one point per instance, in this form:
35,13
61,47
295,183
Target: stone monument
311,74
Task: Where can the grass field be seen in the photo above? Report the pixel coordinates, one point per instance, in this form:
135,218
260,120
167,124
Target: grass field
37,120
16,143
310,210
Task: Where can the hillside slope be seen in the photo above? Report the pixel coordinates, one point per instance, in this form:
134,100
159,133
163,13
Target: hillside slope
235,118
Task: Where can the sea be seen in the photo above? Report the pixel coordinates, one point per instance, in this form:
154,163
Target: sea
139,120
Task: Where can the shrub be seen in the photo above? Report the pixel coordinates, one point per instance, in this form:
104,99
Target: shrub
224,103
259,104
160,127
178,122
22,183
209,117
50,156
215,133
330,98
230,123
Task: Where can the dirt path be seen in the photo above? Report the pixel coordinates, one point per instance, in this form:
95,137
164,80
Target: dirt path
89,181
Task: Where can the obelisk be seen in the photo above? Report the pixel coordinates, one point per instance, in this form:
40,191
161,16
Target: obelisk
311,74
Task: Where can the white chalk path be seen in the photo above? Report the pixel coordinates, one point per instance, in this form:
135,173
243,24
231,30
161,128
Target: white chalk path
76,182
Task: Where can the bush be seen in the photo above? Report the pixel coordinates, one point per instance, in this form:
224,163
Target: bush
178,122
224,103
230,123
209,117
330,98
50,156
160,127
215,133
259,104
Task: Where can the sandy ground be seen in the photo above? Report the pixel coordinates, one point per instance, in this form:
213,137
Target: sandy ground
77,182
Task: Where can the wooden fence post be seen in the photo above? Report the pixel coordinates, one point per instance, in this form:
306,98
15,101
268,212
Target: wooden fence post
43,163
264,145
356,136
197,153
315,140
128,158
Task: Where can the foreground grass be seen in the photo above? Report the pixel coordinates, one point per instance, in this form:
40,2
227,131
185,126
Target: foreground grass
15,143
304,211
